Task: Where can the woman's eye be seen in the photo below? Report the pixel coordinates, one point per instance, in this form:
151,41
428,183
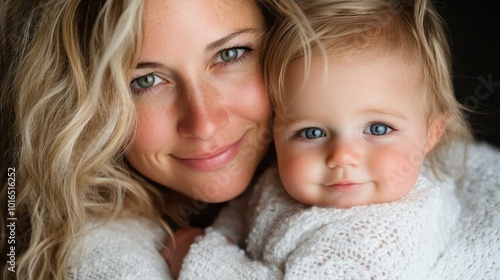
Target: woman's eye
231,54
311,133
145,82
378,129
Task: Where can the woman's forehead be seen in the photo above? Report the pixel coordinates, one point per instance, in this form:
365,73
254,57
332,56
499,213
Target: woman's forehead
157,9
175,26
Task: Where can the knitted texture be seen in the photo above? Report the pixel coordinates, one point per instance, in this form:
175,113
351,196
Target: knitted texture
129,248
287,240
396,240
473,251
290,241
121,249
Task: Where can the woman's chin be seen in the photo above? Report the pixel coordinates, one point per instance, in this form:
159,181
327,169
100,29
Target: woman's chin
218,194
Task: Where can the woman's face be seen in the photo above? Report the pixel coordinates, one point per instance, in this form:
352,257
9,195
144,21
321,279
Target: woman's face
203,114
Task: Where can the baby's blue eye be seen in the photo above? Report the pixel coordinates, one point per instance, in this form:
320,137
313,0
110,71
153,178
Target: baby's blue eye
378,129
311,133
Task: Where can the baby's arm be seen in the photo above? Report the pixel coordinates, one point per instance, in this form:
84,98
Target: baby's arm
231,219
174,252
213,257
229,224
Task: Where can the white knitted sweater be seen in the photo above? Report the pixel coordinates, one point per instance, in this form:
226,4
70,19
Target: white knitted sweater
129,248
121,249
426,235
474,248
397,240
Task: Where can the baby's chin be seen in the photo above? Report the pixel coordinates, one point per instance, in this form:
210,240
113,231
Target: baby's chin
346,201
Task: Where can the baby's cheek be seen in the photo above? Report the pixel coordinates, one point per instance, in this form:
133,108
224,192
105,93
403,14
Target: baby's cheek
293,172
399,169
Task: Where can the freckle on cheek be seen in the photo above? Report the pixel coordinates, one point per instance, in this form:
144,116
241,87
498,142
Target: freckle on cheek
145,139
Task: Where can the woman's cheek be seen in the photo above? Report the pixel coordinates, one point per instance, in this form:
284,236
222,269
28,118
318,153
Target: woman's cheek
252,95
152,128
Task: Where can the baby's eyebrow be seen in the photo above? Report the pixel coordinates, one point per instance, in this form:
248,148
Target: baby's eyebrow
385,112
292,119
296,121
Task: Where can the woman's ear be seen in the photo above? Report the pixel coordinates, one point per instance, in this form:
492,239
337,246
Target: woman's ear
435,132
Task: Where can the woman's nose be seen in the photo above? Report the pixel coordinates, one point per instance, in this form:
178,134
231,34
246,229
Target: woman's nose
203,113
343,153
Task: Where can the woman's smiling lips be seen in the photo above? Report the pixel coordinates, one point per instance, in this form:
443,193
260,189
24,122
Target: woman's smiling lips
214,160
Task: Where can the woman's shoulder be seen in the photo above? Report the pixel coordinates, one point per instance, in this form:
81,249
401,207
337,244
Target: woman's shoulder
125,248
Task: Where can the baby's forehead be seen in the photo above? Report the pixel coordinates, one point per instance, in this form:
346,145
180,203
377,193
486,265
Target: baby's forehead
369,75
322,61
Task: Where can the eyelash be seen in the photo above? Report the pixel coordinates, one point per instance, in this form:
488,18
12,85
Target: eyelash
382,123
240,59
296,133
145,90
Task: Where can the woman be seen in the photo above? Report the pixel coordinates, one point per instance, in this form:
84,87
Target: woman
116,111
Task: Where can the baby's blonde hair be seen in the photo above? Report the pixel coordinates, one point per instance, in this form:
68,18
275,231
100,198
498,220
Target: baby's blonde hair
412,28
65,88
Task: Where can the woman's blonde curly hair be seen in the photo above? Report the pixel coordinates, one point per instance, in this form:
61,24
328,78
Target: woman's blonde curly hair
69,117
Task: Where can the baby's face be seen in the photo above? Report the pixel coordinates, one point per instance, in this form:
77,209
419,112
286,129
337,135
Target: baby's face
356,134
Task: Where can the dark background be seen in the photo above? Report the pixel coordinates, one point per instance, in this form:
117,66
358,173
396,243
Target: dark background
474,29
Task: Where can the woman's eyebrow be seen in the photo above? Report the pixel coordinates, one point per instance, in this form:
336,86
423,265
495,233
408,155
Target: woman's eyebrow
223,40
214,45
148,65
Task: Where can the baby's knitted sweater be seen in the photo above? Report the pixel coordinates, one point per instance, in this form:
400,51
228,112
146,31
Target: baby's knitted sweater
473,251
397,240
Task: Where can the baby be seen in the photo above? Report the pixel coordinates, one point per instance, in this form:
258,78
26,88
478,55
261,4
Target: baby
363,101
